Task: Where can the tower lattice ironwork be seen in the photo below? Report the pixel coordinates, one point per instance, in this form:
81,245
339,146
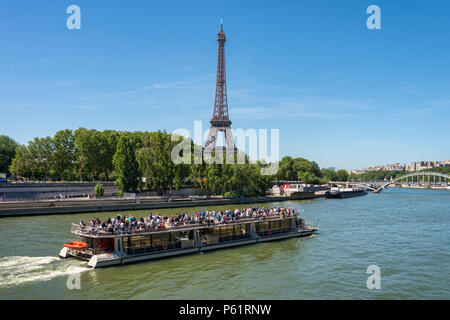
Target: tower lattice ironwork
220,121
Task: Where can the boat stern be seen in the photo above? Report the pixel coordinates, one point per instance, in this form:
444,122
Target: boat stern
105,259
64,253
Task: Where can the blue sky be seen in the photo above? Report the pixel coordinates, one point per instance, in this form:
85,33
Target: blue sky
341,94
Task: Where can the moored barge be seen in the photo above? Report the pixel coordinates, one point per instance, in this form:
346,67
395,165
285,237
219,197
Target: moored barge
105,248
340,193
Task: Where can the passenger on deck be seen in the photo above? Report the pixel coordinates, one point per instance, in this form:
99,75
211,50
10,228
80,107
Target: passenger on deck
124,225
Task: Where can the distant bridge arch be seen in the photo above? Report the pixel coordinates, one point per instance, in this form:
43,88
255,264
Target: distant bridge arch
412,175
364,186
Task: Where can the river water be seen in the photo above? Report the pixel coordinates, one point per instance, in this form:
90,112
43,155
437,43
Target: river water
405,232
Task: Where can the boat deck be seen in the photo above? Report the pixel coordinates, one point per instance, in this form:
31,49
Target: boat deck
88,232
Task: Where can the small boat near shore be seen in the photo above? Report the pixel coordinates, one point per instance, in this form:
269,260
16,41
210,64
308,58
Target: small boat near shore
106,247
340,193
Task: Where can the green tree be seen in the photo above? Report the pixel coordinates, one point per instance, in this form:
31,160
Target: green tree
155,161
286,169
329,175
88,152
342,175
108,146
216,179
299,169
99,190
126,165
41,150
24,164
7,152
64,157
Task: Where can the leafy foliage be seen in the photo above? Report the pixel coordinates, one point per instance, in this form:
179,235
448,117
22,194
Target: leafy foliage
125,164
99,190
7,152
133,157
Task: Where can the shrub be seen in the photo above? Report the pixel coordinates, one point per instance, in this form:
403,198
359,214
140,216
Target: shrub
99,190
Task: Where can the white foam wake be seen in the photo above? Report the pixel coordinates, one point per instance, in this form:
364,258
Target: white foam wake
21,270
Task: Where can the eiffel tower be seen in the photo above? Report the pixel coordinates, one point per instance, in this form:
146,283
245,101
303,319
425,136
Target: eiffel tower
220,121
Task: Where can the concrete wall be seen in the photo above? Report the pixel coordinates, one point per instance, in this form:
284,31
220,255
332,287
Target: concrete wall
86,206
26,191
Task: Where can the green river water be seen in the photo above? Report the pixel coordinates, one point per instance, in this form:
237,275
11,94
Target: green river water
406,232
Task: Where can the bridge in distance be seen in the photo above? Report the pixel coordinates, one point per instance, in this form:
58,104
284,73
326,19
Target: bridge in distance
425,179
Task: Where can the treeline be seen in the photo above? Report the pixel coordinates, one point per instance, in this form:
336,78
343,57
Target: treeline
381,175
70,155
140,161
445,170
128,158
136,161
307,171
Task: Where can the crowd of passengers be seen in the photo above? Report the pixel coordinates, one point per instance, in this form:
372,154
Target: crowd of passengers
122,224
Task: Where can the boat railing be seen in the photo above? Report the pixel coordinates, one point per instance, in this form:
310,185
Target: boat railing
96,232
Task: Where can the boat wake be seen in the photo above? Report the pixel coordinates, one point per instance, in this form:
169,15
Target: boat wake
21,270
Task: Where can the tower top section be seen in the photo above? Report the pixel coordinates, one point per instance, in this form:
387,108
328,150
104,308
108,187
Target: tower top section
221,34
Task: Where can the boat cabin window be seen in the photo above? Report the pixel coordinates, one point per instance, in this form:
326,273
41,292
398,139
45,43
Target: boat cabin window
155,242
226,233
100,245
273,227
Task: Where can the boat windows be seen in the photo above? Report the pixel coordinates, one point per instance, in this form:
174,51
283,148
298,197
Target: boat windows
153,242
226,233
269,228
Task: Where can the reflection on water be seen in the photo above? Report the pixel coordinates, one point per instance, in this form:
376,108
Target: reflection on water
404,232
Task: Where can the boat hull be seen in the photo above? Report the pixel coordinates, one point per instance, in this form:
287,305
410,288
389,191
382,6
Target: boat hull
119,258
343,195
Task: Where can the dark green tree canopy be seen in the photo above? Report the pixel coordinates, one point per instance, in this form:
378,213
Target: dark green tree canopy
7,152
132,157
125,164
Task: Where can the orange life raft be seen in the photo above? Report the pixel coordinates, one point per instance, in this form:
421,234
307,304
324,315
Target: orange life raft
77,245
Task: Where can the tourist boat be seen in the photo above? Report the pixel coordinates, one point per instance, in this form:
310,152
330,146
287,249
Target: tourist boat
107,249
339,193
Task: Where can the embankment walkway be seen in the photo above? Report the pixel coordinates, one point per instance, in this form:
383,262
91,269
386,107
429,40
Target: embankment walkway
12,209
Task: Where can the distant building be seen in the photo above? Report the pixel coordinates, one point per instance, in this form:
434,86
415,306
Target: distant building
413,166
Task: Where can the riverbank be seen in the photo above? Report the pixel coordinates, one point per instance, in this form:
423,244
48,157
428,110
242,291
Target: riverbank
17,209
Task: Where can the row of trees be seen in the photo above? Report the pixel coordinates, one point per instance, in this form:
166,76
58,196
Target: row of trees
381,175
308,171
137,161
83,154
71,155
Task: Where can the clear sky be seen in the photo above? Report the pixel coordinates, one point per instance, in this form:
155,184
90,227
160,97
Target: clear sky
341,94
